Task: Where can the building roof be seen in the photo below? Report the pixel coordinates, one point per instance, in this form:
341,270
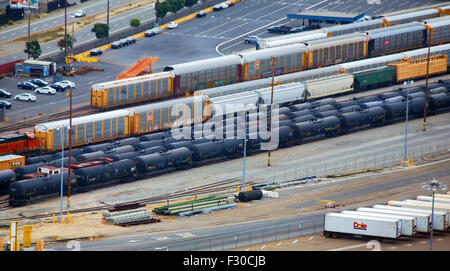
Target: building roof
325,15
37,62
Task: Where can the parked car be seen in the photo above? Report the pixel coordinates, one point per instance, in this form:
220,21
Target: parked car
27,85
45,90
25,97
96,52
172,25
39,82
283,29
68,83
251,39
124,42
131,40
230,3
201,14
5,104
59,87
298,29
116,45
218,7
152,32
5,94
79,13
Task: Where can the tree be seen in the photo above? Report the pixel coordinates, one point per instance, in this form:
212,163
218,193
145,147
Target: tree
101,30
135,22
33,49
62,42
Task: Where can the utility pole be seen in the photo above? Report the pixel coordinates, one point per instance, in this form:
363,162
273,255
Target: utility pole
70,148
107,14
156,11
65,33
426,89
29,25
272,64
73,38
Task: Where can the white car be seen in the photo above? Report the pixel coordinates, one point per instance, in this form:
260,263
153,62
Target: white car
45,90
79,13
67,83
172,25
25,97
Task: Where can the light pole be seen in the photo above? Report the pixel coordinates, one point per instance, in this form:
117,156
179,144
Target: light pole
433,186
405,156
245,149
62,171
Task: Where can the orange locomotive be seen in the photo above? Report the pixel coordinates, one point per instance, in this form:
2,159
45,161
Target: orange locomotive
19,144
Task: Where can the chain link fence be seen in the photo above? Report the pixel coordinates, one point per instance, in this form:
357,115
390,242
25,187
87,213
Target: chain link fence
249,238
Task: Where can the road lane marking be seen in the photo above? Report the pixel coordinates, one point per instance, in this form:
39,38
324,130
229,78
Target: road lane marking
346,248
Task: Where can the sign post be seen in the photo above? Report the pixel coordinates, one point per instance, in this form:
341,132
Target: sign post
12,235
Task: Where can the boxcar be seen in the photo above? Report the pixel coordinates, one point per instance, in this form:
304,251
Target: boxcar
205,73
168,114
132,90
88,129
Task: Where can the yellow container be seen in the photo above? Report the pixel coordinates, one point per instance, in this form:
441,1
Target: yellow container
11,161
411,69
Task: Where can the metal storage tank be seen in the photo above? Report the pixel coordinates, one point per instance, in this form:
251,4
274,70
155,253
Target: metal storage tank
323,102
42,158
20,171
352,120
371,104
206,150
417,106
438,101
148,144
395,99
303,118
177,158
300,107
395,110
232,147
88,129
205,73
132,90
57,162
325,114
350,108
296,114
348,103
376,115
388,95
416,95
306,129
93,175
122,170
330,125
149,162
6,177
154,136
180,144
437,90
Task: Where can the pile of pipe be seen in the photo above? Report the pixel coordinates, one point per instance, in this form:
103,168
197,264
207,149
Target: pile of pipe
127,216
194,206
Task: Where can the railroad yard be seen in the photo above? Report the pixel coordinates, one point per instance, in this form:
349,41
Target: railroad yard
353,165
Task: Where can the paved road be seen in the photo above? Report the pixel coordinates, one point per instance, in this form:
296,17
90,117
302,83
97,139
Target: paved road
239,235
91,8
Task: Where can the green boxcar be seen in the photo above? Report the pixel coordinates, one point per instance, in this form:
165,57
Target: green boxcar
377,77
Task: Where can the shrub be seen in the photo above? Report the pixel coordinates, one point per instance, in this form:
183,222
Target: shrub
135,22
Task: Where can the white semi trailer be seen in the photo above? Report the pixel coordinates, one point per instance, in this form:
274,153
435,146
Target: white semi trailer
423,220
436,199
409,223
416,204
439,217
357,226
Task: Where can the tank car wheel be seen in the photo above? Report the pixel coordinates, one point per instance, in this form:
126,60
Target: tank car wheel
326,234
334,235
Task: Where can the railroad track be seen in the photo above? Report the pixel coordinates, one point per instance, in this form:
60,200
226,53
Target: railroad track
215,187
78,112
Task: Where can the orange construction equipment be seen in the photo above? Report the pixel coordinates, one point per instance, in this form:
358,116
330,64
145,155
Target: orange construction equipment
142,66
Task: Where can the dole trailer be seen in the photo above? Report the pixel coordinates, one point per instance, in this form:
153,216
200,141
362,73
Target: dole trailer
358,226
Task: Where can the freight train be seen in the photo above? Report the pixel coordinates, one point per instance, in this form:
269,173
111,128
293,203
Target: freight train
338,30
318,83
185,78
297,124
